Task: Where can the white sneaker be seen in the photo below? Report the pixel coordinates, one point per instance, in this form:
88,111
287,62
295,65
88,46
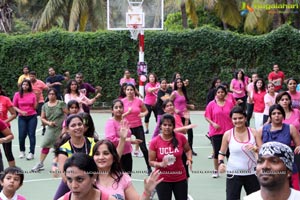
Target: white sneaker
38,167
30,156
22,155
140,154
135,153
215,174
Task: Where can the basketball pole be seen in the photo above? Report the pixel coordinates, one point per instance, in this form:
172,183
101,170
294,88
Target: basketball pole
141,59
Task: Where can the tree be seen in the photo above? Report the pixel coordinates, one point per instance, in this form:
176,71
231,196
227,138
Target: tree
6,16
69,14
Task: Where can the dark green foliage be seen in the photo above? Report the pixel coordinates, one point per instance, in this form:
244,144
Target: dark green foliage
199,55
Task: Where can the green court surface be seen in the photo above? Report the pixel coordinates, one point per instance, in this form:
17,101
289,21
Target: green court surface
202,186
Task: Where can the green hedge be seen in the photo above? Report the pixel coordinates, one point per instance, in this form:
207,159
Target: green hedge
199,55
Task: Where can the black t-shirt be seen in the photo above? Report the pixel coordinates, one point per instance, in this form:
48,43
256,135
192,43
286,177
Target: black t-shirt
159,102
56,78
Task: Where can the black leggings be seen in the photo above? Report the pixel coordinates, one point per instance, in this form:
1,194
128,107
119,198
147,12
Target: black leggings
126,163
234,184
250,107
189,133
180,189
150,109
138,132
7,147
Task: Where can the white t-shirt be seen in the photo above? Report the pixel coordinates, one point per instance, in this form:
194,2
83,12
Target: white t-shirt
295,195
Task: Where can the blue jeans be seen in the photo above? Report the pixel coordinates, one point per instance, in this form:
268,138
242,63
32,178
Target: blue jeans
27,126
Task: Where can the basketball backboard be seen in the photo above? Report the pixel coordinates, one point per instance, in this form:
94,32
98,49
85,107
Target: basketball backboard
121,13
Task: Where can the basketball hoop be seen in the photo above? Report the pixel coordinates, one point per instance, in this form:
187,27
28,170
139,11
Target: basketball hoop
135,3
134,32
135,18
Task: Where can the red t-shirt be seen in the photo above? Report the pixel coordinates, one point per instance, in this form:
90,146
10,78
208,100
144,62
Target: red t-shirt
273,76
5,104
258,100
175,170
2,125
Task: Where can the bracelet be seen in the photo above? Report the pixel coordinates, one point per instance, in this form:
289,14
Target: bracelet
255,149
146,194
221,153
190,160
221,162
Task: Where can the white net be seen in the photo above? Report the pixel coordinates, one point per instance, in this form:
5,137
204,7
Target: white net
134,33
135,3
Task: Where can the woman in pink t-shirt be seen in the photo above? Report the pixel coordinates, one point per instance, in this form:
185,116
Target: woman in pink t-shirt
126,78
238,87
112,133
81,172
292,116
181,102
166,155
73,93
112,179
258,100
291,85
269,100
217,115
151,89
7,106
135,109
25,104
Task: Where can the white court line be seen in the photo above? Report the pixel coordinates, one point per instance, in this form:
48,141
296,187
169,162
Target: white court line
53,179
138,180
42,179
38,130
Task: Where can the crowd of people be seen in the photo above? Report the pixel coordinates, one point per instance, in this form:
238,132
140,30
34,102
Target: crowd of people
101,168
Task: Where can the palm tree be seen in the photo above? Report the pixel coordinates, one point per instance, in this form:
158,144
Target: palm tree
260,20
188,10
227,11
69,14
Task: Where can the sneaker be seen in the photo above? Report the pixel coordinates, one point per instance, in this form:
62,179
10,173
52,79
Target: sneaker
30,156
210,156
147,131
38,167
194,153
215,174
22,155
136,153
140,154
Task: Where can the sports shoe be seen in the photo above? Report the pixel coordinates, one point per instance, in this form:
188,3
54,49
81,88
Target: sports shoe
135,153
147,131
140,154
210,156
30,156
194,153
215,174
22,155
38,167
